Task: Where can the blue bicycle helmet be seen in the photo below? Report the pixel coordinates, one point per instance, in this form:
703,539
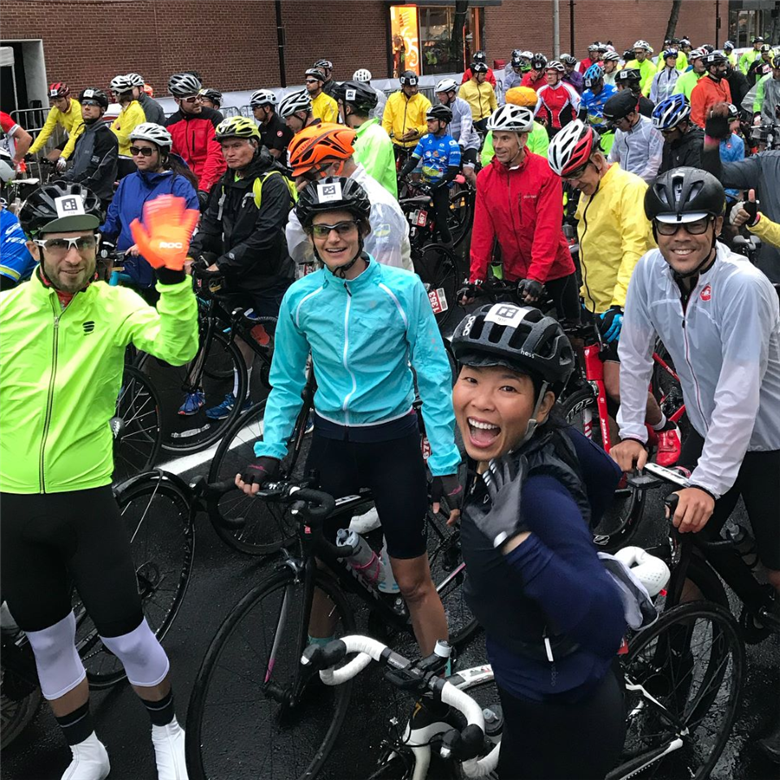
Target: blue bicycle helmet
592,75
670,112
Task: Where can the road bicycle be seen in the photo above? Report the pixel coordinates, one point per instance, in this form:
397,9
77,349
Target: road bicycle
253,658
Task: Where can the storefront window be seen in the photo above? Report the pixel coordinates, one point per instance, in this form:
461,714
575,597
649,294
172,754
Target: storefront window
405,39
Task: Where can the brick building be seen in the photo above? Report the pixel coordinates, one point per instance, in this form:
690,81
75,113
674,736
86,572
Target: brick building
235,46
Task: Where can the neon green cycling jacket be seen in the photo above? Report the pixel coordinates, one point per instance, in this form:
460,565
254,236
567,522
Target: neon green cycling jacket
61,372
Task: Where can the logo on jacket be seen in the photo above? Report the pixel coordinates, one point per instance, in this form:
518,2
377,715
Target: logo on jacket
89,326
706,293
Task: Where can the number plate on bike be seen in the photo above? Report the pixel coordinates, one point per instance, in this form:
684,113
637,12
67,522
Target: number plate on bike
421,218
438,299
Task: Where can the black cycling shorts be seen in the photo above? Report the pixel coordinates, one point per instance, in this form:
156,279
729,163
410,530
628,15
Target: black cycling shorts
393,470
758,483
50,542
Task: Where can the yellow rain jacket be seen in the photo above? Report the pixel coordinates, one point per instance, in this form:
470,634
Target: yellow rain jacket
71,121
325,108
480,97
129,118
402,114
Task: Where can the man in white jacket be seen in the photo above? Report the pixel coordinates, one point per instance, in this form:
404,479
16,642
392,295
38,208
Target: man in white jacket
719,318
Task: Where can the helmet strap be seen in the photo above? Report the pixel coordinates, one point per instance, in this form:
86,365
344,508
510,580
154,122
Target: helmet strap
341,270
533,423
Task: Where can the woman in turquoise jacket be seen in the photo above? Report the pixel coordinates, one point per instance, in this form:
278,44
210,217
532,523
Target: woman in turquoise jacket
367,327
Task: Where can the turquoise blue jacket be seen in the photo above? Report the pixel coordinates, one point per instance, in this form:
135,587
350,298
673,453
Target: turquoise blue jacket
363,335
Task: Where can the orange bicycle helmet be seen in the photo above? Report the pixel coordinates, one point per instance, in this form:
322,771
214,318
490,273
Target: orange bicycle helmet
318,144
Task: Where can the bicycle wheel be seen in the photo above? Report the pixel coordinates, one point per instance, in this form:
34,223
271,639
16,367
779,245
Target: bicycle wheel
246,680
460,214
266,526
156,512
437,267
692,663
20,697
212,370
138,407
580,410
667,390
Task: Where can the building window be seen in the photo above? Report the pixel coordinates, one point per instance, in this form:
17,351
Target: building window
743,25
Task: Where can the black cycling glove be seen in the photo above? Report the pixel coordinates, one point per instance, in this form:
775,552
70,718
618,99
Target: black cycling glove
530,289
265,470
448,487
504,480
717,126
751,206
203,199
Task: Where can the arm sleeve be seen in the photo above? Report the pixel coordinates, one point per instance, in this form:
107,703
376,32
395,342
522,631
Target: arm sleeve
71,144
749,319
614,154
422,128
758,100
655,155
111,228
740,175
297,241
483,235
488,152
547,233
492,100
214,166
170,331
434,382
767,231
388,116
129,122
288,379
654,87
635,349
46,131
633,236
561,571
208,237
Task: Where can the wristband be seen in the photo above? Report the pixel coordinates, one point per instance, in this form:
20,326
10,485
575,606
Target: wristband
708,139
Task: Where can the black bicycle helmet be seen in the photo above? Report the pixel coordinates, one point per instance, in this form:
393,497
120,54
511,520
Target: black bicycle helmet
60,207
628,75
684,194
519,337
357,94
479,67
441,112
538,61
480,56
333,193
409,77
96,94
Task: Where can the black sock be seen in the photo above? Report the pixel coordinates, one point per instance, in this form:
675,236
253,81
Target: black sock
77,725
161,712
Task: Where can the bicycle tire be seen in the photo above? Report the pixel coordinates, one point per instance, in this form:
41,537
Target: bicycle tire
148,546
437,267
138,406
17,714
460,214
245,670
188,434
724,661
267,527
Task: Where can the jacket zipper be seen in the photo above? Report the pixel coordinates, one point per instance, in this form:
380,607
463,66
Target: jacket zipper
49,398
687,346
346,349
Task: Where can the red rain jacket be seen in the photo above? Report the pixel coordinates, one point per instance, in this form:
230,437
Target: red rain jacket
194,141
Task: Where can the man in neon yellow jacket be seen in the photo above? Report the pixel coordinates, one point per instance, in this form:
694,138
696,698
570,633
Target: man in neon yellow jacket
66,112
690,78
645,66
751,55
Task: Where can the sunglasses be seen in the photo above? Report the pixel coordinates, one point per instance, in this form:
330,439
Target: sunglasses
144,151
90,103
59,247
191,99
312,81
341,228
696,228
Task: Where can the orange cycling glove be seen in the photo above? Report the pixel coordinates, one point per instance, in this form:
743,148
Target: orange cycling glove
164,237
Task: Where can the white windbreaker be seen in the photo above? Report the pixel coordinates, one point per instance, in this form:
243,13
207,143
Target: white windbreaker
726,351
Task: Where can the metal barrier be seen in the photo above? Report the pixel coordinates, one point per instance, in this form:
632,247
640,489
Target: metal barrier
32,120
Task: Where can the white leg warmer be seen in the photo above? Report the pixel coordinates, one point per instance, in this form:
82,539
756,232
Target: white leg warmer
59,667
141,654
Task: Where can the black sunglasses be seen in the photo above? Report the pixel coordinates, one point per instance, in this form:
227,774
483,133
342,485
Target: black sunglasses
144,151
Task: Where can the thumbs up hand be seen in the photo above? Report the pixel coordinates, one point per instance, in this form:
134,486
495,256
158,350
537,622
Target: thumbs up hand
745,212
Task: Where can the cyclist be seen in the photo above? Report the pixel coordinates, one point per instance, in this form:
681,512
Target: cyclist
627,80
767,98
404,115
560,101
328,85
16,262
153,111
367,328
480,57
737,84
610,65
529,551
275,134
66,113
594,98
16,140
295,109
461,126
591,59
751,55
130,115
711,88
157,173
518,67
693,290
638,145
60,520
732,149
538,139
480,96
373,147
96,156
761,66
438,154
613,234
535,78
363,75
572,75
728,50
642,62
682,139
323,106
241,237
327,150
688,80
520,205
664,81
211,98
192,130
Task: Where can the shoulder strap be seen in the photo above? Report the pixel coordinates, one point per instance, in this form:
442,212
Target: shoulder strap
257,187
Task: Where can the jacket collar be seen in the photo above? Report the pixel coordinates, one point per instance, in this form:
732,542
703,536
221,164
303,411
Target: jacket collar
150,179
371,276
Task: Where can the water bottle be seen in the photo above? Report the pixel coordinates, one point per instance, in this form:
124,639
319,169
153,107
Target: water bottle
387,584
363,561
745,544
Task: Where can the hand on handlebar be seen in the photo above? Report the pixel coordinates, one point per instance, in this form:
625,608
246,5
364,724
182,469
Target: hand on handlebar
468,293
255,475
529,290
690,509
630,454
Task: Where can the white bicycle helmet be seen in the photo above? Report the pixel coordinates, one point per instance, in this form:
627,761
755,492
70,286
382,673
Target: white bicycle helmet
184,85
556,66
120,84
447,85
154,133
136,79
611,56
362,74
511,119
641,44
263,97
294,102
